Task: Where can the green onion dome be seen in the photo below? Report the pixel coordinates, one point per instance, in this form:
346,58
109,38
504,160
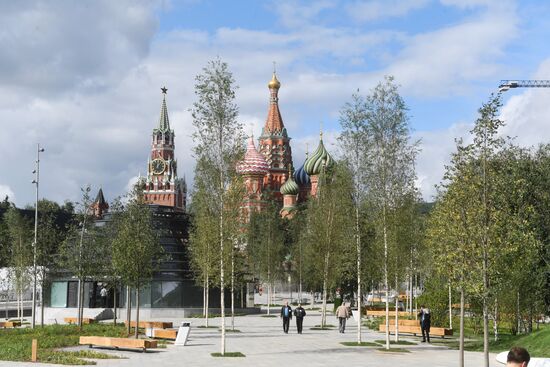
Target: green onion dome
314,164
290,187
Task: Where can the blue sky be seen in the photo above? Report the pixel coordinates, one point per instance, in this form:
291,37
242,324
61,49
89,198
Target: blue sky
83,79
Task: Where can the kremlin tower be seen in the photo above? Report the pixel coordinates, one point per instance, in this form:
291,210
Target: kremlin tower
162,185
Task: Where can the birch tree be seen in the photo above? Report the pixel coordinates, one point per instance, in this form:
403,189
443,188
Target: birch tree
354,142
135,249
265,247
20,234
391,153
330,225
219,141
202,243
81,253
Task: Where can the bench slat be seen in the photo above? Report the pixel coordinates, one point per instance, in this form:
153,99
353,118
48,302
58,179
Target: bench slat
117,342
437,331
165,333
152,324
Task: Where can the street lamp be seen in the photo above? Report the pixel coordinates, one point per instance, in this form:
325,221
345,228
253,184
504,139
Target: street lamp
36,182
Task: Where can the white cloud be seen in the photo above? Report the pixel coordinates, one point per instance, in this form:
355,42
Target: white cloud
380,9
436,149
527,114
5,190
452,59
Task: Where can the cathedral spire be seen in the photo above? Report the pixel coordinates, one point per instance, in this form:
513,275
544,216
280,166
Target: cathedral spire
164,123
274,122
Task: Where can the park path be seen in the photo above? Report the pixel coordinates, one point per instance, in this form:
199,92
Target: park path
265,345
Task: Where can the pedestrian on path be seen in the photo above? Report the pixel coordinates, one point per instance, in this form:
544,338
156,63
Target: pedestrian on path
425,322
286,314
342,313
300,313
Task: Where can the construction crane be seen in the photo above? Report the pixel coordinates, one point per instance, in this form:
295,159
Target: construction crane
507,84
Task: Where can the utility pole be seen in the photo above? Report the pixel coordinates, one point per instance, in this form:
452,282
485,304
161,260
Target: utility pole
35,243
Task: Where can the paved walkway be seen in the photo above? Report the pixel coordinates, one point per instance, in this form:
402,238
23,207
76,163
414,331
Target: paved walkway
263,342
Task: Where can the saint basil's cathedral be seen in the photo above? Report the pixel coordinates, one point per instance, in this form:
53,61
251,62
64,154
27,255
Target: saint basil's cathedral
266,170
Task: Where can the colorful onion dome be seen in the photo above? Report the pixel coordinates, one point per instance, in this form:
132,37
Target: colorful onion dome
301,177
274,83
314,164
290,187
253,163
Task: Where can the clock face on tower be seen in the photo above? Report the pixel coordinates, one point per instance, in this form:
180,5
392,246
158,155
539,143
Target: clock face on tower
158,166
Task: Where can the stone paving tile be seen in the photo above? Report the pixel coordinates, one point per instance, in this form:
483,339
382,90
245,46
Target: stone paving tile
263,342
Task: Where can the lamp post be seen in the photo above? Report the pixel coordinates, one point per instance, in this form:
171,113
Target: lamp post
35,243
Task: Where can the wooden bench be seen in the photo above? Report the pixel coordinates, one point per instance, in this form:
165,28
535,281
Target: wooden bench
151,324
383,313
404,322
415,330
10,324
165,333
103,341
74,320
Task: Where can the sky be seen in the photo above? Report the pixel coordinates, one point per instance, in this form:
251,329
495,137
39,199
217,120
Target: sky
83,78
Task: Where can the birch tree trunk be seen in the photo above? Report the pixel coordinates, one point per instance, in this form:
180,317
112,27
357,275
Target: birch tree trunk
461,338
128,310
232,291
222,274
495,320
207,304
359,294
137,313
78,320
386,283
324,311
115,304
396,311
450,308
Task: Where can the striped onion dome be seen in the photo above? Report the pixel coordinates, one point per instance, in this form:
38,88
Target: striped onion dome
314,164
290,187
253,163
301,177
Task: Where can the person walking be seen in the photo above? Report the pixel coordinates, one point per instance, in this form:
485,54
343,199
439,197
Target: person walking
104,293
342,313
286,314
425,322
299,313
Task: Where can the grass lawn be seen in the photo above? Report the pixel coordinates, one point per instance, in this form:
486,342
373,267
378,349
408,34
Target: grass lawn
207,327
363,344
400,342
398,350
16,343
228,354
537,343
